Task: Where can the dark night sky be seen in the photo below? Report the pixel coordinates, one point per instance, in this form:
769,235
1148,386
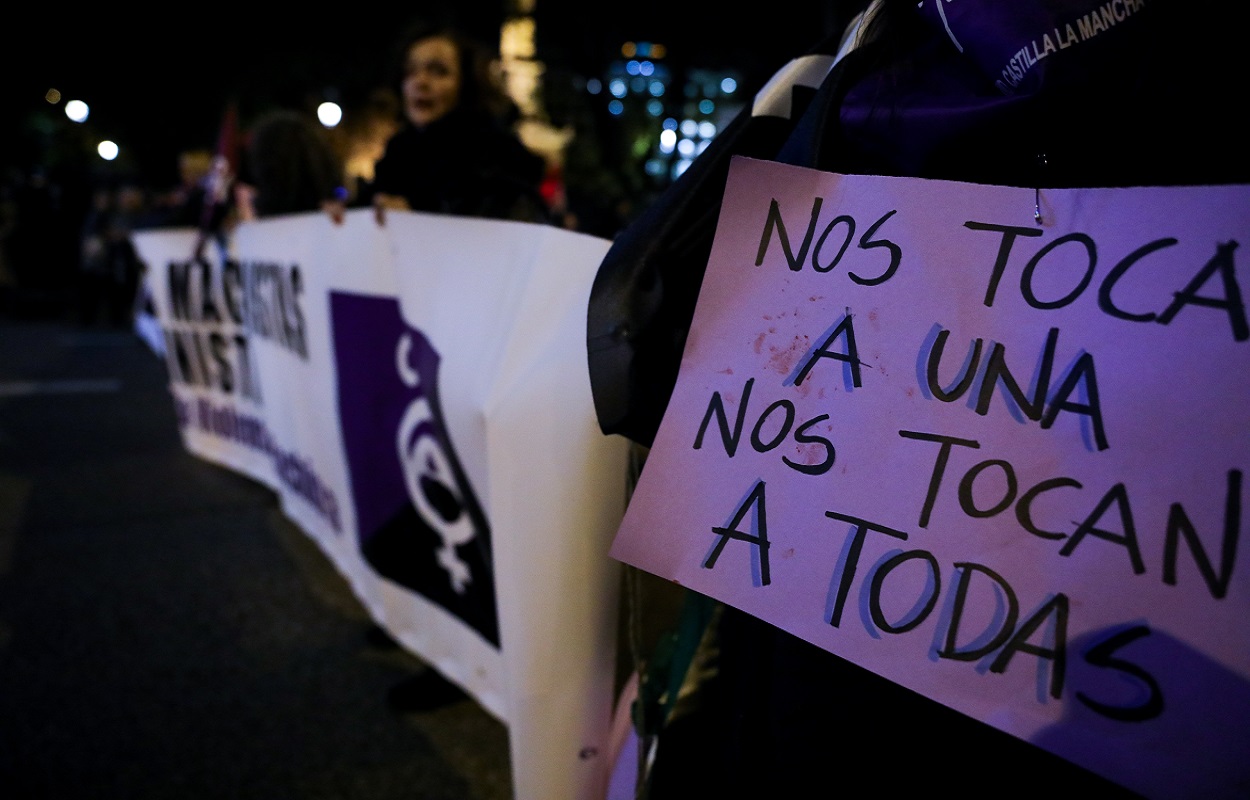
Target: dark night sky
159,81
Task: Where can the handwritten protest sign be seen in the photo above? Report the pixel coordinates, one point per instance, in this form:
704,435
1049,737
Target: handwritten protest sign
995,460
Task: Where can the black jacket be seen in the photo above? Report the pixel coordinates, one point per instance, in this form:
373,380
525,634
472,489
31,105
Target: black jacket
466,164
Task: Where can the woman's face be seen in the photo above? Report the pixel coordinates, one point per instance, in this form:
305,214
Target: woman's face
431,80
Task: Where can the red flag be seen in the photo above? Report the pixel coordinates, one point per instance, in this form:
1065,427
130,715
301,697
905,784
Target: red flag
219,183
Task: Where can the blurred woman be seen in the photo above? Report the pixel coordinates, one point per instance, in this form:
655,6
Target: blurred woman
455,152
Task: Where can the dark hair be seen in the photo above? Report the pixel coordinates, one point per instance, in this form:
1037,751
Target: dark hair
479,89
291,163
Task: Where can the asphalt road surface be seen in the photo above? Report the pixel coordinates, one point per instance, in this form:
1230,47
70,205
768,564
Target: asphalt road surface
165,632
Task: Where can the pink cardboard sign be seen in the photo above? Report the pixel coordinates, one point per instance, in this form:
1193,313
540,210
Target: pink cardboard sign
995,460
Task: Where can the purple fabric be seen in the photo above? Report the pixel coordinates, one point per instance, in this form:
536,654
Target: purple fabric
984,63
397,540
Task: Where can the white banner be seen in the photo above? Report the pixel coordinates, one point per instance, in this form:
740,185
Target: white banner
417,395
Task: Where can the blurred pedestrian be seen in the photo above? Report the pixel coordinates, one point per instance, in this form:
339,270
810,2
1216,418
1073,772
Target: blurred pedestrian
288,166
182,205
39,230
8,222
456,151
131,201
109,265
92,264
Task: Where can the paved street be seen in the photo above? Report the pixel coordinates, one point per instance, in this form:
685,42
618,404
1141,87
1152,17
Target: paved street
165,632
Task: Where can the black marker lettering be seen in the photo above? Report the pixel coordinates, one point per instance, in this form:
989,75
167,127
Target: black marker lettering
754,499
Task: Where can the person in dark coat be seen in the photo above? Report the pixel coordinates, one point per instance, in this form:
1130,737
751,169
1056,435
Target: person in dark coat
456,153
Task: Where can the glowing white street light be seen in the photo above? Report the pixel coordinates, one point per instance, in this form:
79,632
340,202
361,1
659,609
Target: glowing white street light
330,114
77,110
107,150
